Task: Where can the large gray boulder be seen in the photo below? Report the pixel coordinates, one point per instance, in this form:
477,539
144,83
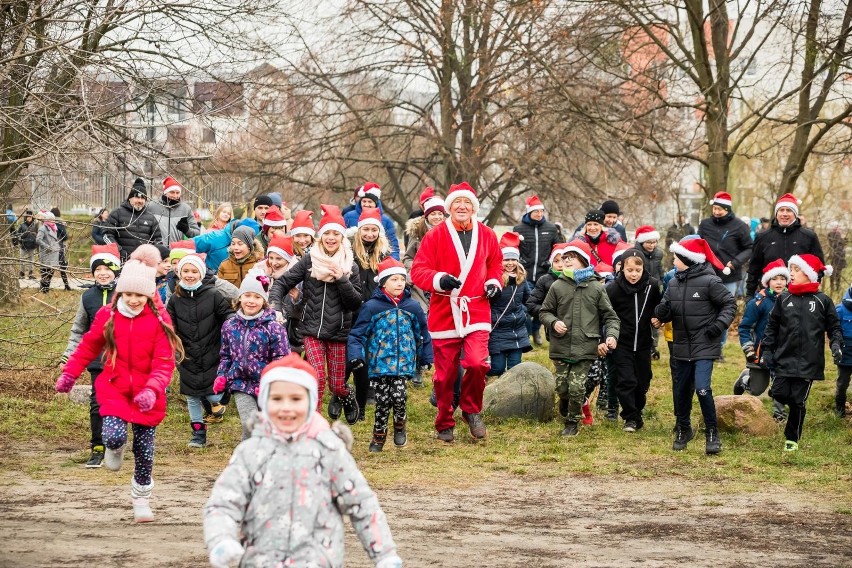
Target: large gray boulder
744,413
524,391
80,394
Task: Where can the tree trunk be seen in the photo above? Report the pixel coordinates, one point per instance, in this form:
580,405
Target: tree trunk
10,288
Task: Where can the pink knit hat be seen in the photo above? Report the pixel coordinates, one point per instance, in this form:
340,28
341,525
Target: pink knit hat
139,273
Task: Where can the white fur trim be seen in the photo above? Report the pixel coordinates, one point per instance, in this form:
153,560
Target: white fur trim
465,331
829,270
280,252
579,251
511,250
649,236
780,271
718,201
535,208
680,250
436,281
804,267
111,258
371,221
331,227
495,282
390,272
453,195
555,253
302,231
788,205
269,223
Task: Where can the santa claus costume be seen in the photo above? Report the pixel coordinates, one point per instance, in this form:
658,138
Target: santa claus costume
459,317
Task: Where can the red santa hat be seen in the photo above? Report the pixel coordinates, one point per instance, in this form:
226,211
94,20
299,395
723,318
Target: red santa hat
371,217
723,199
581,248
370,187
387,268
462,189
274,217
303,223
696,251
427,193
604,269
171,184
510,244
331,220
432,204
788,200
289,369
811,265
647,233
557,250
773,269
282,245
620,248
108,255
534,204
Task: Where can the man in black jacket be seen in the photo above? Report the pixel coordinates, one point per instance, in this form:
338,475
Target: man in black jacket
730,240
784,238
537,239
131,224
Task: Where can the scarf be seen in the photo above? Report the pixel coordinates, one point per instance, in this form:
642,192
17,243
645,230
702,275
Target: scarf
321,263
394,299
51,226
580,275
629,288
125,310
801,289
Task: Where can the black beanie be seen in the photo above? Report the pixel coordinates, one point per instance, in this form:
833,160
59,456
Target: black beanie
685,260
610,206
263,200
164,250
138,189
595,215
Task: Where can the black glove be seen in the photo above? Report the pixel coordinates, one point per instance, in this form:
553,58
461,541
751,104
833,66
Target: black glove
837,355
491,291
769,360
183,225
355,364
449,282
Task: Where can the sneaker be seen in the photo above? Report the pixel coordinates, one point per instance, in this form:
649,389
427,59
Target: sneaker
682,438
588,419
739,386
400,437
218,410
712,445
630,426
334,407
779,418
97,457
213,419
378,441
476,425
445,435
571,429
612,415
791,446
114,458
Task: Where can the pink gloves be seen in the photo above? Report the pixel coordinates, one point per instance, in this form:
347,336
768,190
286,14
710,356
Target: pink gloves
145,399
65,382
219,384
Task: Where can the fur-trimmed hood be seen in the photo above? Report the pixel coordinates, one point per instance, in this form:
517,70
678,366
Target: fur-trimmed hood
416,228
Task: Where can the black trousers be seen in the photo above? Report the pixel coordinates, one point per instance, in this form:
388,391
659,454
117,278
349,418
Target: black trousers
793,392
632,380
96,421
844,372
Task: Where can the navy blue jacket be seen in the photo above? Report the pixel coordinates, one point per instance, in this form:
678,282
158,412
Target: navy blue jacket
844,312
509,319
755,318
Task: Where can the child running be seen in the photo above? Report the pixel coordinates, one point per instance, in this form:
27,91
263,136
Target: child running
573,311
105,265
794,341
241,257
542,286
139,358
282,498
509,337
250,340
391,336
198,311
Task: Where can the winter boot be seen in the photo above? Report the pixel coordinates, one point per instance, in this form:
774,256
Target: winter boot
475,424
199,435
378,441
588,419
417,379
113,458
682,438
96,458
400,437
141,507
571,429
350,407
713,445
334,408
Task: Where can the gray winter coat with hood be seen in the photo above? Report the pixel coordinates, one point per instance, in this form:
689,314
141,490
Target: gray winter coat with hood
169,214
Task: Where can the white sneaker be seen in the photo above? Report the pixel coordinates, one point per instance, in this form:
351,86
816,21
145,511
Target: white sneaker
142,512
113,458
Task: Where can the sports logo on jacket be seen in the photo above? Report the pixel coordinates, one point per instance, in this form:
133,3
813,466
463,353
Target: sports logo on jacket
812,306
696,295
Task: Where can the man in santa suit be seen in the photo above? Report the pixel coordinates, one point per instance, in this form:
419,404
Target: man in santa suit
460,262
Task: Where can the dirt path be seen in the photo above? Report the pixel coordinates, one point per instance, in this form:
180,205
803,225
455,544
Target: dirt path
79,518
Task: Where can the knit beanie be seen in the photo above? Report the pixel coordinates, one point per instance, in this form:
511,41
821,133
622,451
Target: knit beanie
263,200
140,272
164,250
609,206
595,216
723,199
256,281
276,198
138,189
433,204
291,369
245,234
194,260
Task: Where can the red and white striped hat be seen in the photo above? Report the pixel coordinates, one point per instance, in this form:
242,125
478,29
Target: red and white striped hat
647,233
534,204
388,267
773,269
303,223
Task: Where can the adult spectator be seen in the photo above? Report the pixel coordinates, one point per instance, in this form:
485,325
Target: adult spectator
612,218
786,236
10,214
836,257
765,224
131,224
602,243
99,223
538,236
675,233
48,249
262,203
459,310
417,213
371,198
62,236
174,216
24,236
729,239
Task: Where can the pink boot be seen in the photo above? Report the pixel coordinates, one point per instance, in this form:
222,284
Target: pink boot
588,419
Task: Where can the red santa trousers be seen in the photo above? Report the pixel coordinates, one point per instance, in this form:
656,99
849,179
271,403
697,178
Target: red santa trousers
475,365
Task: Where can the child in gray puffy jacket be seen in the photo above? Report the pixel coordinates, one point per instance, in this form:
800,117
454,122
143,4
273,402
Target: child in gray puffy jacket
282,497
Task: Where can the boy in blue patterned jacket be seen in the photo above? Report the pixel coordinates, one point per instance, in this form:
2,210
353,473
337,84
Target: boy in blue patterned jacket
390,337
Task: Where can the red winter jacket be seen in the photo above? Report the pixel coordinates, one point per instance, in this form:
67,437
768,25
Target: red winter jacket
144,359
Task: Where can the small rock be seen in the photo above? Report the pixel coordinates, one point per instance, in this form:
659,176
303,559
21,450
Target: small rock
524,391
744,413
80,394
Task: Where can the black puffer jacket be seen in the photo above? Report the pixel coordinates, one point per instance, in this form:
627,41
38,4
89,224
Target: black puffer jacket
730,240
538,240
780,242
634,305
701,309
129,228
328,306
653,262
197,318
794,339
539,293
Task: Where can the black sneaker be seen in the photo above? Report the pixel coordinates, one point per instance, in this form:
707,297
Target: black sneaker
97,458
630,426
334,407
713,445
571,429
682,438
612,415
739,386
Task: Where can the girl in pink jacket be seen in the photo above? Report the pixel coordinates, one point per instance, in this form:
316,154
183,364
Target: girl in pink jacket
139,347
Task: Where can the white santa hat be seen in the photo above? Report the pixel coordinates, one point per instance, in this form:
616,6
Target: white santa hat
789,201
811,265
387,268
534,204
462,189
647,233
773,269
